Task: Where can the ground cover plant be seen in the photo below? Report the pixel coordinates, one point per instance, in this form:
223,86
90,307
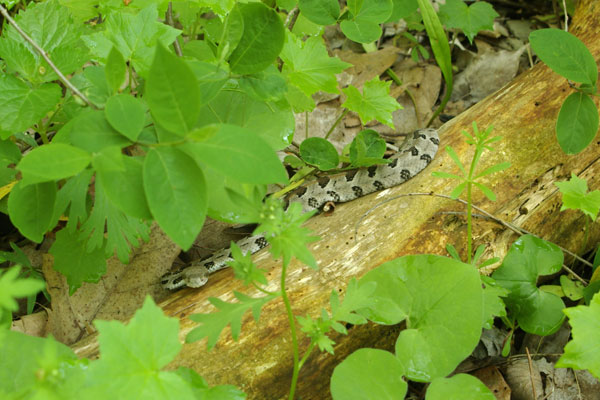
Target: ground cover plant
113,116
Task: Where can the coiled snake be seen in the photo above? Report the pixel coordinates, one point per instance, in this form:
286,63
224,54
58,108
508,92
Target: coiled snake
414,155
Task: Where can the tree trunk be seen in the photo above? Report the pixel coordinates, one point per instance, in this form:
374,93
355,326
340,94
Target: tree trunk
524,112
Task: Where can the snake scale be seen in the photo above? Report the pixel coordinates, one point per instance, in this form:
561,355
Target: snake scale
413,156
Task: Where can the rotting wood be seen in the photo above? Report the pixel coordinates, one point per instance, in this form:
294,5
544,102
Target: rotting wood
524,113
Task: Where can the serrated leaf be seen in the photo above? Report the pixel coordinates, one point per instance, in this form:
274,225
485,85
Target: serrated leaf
12,287
211,325
537,312
309,67
261,41
576,196
577,123
75,262
22,106
31,208
126,114
470,19
320,153
172,93
565,54
52,162
374,103
176,193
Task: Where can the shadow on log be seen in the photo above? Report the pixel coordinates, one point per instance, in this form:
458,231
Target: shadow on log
523,112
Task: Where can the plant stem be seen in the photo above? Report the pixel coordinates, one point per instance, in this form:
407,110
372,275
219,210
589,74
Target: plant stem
337,121
469,222
292,321
398,82
307,353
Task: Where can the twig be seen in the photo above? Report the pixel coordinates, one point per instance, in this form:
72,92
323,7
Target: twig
169,16
514,228
566,15
291,18
43,53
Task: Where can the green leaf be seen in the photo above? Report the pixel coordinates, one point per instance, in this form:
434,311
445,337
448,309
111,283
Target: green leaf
92,132
492,302
402,9
9,151
367,149
577,123
261,41
176,193
210,79
363,27
572,289
374,103
486,191
11,288
470,19
132,355
361,31
212,324
320,153
273,122
243,267
233,30
75,262
238,153
537,312
53,30
126,114
441,301
268,85
493,169
565,54
369,374
31,208
74,195
458,387
115,70
22,106
576,196
582,351
308,66
52,162
172,93
322,12
458,190
123,186
456,159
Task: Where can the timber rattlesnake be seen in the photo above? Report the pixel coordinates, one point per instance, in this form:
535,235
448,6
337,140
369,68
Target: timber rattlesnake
414,155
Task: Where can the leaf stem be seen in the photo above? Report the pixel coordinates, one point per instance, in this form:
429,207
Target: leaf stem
292,321
337,121
307,353
399,82
46,57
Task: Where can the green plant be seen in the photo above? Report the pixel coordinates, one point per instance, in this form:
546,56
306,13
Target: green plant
566,55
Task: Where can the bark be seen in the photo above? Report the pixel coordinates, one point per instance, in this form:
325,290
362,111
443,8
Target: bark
523,112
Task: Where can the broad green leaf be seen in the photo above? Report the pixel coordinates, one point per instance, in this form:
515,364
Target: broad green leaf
22,106
211,325
31,208
199,49
441,300
233,30
38,368
134,35
115,70
361,31
273,122
322,12
53,30
470,19
210,79
238,153
367,149
537,312
73,259
9,151
92,132
308,66
363,26
374,102
268,85
565,54
132,356
172,93
52,162
123,186
176,193
320,153
402,9
577,123
261,41
94,86
126,114
576,196
369,374
570,288
493,306
582,352
458,387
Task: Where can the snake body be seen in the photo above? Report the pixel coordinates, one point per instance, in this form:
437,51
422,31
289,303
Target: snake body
413,156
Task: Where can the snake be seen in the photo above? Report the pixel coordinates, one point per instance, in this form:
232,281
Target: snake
415,153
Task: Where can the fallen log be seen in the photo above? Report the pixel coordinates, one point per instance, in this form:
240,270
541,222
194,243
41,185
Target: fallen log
523,112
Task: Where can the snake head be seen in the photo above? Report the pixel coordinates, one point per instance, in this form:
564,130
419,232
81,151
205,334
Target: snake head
195,276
